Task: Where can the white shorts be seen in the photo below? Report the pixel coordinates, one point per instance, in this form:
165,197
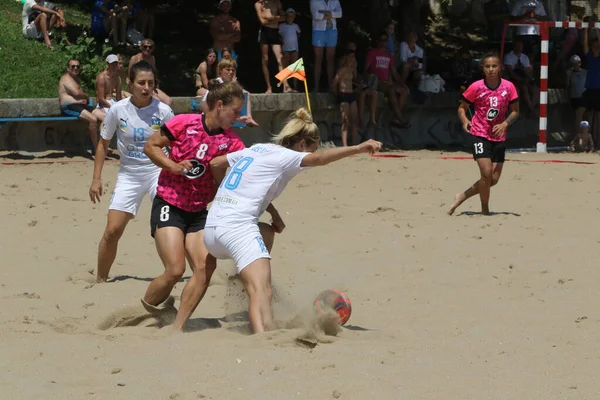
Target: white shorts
111,102
31,32
131,189
243,244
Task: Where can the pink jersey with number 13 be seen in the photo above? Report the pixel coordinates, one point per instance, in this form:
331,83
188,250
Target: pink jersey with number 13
491,107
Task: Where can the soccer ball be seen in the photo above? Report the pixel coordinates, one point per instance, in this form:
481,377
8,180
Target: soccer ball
335,300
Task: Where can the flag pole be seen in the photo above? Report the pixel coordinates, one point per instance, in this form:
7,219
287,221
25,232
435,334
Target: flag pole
307,97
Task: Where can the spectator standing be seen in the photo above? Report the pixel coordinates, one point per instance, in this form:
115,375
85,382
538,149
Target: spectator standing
290,31
147,48
38,21
577,79
342,86
591,96
362,91
497,14
324,36
225,30
75,103
270,14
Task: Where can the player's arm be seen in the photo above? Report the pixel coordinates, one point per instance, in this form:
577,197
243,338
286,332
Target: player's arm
514,113
154,151
331,155
218,168
463,107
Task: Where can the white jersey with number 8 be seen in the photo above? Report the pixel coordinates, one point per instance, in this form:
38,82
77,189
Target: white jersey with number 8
257,175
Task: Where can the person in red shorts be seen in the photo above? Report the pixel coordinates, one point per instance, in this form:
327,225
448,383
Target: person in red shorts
492,98
185,187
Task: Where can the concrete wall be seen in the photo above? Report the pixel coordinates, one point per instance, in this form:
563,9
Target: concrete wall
434,124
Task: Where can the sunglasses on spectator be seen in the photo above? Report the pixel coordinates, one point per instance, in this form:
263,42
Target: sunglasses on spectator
74,66
147,47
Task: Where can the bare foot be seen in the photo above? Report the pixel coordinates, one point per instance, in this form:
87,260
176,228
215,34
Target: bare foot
485,210
458,200
269,91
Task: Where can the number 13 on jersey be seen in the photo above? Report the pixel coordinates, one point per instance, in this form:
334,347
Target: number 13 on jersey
234,176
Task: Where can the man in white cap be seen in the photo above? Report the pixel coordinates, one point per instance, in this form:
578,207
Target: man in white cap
225,30
108,85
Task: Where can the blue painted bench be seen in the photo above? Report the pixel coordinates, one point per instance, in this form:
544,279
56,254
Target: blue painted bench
35,119
195,106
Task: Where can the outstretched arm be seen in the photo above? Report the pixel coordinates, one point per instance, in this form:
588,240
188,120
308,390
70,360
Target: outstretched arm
331,155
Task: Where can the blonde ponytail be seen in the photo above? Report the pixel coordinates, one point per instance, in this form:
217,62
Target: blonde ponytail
299,126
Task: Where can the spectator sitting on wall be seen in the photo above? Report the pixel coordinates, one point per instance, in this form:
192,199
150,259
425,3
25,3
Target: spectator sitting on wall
228,55
39,20
75,103
363,91
206,71
110,19
577,77
122,71
519,70
380,65
411,56
393,46
583,140
525,11
144,17
225,30
108,82
591,96
226,71
146,54
290,32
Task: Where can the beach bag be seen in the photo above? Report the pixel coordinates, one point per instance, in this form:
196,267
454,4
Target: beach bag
431,84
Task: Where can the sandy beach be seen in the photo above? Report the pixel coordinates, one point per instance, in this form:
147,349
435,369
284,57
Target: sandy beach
444,307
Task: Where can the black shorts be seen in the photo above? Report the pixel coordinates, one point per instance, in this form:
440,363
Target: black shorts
75,109
164,214
591,99
269,36
483,148
346,98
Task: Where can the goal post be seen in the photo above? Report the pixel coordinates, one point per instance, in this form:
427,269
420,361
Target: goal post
545,27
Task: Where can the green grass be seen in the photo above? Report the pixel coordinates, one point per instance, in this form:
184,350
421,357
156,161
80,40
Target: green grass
28,68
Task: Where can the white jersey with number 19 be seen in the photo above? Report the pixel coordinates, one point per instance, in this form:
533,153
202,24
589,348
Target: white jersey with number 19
256,177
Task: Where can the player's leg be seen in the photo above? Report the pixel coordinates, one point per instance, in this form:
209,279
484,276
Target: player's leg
482,154
268,235
344,111
107,248
167,225
203,266
257,281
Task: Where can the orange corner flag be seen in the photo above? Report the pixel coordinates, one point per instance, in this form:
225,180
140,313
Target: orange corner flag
295,70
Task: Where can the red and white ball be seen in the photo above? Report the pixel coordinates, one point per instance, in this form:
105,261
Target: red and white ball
334,299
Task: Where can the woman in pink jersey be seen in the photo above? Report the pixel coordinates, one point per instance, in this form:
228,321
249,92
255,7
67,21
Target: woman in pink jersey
492,98
185,187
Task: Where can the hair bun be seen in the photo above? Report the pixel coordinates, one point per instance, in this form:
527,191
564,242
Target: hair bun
214,83
304,115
